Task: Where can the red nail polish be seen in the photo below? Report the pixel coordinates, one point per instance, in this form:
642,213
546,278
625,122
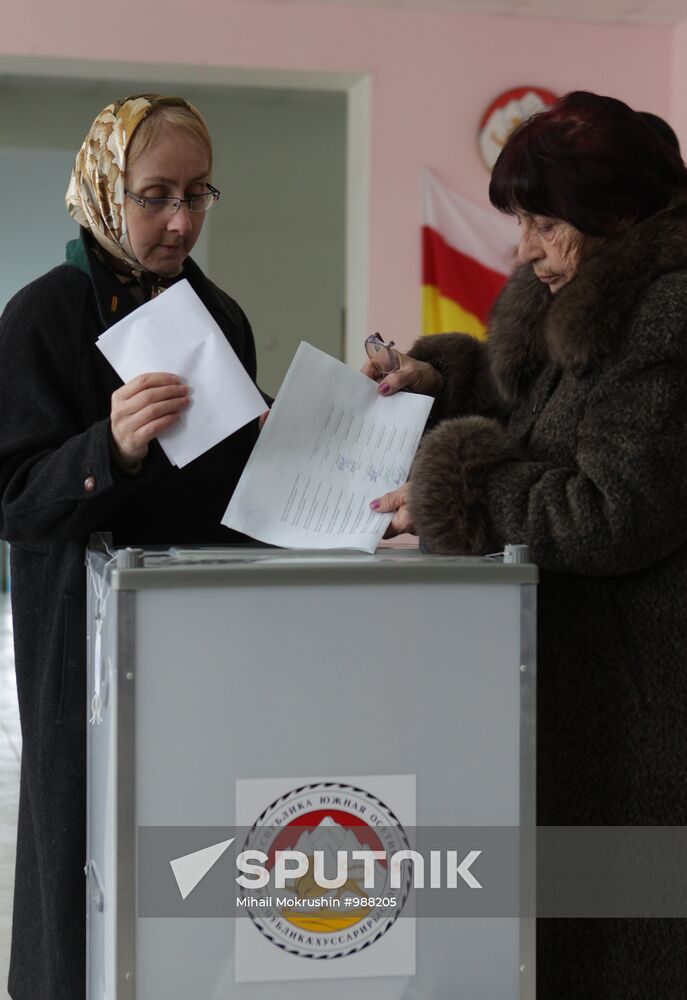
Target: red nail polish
374,504
384,388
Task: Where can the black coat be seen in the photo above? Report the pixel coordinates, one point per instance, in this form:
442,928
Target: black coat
55,389
570,435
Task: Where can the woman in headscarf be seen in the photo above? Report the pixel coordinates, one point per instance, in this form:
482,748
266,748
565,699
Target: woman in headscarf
78,454
567,432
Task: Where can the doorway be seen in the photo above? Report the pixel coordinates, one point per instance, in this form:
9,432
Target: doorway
287,159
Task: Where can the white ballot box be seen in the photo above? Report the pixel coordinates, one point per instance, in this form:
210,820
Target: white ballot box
258,716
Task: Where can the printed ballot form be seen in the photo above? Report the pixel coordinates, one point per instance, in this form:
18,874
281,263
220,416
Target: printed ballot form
174,332
330,446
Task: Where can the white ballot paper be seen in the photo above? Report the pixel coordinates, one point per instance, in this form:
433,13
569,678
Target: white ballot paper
330,446
174,332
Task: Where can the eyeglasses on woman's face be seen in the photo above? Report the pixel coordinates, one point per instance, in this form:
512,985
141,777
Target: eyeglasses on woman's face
167,207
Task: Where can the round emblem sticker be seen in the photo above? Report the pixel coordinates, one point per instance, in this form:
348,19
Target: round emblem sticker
324,902
505,113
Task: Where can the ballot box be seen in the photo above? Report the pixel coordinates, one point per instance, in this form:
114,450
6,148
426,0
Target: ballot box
253,709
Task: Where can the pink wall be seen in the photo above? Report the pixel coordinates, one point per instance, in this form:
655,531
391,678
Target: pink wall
678,116
433,72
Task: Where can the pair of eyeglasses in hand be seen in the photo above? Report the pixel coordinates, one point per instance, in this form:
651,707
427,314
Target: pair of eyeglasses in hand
384,358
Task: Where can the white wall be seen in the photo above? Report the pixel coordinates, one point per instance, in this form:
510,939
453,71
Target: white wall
275,241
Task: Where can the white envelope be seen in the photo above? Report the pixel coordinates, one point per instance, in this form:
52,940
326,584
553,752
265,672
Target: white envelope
175,333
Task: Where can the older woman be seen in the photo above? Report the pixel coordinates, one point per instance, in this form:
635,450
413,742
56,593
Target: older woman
567,431
78,454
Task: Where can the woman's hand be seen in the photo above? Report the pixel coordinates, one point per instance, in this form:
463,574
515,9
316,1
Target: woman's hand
141,409
396,502
413,375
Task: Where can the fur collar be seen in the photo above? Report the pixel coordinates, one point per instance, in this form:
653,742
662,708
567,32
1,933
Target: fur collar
584,322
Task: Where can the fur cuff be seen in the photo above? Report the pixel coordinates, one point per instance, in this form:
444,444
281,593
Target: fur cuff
462,362
448,484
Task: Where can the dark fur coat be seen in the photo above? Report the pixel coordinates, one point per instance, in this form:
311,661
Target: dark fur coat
568,433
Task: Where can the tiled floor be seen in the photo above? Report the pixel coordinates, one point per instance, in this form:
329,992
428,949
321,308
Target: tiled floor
10,750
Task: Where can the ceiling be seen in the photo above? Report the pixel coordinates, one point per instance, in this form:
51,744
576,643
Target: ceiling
618,11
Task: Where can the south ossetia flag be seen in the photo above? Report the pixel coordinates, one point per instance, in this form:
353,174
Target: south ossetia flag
468,253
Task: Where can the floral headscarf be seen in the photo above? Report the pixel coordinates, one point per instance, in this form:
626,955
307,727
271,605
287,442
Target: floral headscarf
95,196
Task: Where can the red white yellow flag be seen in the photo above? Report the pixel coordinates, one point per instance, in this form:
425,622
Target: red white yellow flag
467,254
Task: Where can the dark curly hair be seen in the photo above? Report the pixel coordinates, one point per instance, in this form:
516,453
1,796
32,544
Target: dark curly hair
591,161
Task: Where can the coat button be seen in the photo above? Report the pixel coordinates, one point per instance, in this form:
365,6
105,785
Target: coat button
89,484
